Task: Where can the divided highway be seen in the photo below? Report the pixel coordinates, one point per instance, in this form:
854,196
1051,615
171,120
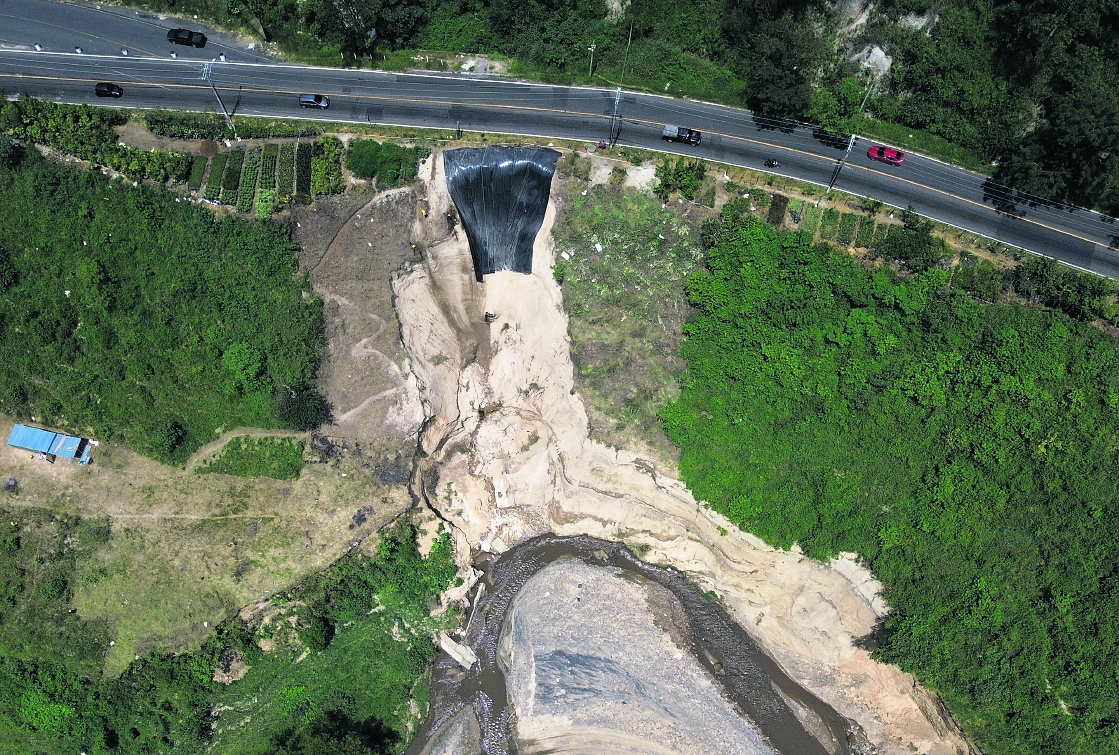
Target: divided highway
253,85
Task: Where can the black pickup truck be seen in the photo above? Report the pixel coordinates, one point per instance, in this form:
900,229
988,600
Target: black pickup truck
680,134
186,37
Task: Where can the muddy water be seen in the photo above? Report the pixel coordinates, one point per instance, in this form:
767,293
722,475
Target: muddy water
749,678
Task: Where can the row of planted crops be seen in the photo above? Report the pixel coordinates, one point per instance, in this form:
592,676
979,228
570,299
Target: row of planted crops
262,179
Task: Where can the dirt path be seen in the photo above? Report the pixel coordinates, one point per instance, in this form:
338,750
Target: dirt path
508,457
214,446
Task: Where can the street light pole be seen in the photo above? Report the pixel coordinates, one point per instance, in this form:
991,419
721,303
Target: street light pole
590,71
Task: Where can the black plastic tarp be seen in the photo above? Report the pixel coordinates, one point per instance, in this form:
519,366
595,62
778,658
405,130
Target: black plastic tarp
501,194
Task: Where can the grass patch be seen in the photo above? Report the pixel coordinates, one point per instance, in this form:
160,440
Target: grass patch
866,233
278,458
574,165
197,170
830,223
626,307
811,218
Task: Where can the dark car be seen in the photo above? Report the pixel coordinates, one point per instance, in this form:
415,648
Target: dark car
319,101
886,155
674,133
105,89
186,37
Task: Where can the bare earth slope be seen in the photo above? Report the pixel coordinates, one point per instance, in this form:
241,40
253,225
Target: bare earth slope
509,457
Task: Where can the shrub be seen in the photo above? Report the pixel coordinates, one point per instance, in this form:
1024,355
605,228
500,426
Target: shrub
777,210
286,173
389,163
247,191
326,167
176,124
983,280
684,177
881,231
197,170
213,182
846,230
9,152
87,133
231,179
302,407
1079,295
303,168
913,244
759,198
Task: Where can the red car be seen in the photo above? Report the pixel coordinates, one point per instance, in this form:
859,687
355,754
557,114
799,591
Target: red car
886,155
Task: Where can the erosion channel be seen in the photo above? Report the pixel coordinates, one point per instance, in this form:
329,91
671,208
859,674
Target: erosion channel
590,647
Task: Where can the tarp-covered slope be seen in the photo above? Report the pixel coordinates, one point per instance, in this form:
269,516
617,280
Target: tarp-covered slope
501,194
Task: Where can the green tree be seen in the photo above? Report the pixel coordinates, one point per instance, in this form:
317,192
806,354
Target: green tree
838,111
168,436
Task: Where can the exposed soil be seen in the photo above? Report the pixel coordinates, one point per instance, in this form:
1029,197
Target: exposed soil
353,244
508,457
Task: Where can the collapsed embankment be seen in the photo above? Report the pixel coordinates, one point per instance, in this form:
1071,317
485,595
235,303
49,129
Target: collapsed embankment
507,457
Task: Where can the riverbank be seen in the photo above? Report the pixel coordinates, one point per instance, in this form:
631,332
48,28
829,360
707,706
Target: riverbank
508,457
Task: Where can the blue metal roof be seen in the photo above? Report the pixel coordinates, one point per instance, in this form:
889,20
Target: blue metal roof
45,441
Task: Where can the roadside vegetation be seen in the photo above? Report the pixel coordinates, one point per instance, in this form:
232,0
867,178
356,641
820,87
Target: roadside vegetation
963,449
330,665
87,133
244,456
138,318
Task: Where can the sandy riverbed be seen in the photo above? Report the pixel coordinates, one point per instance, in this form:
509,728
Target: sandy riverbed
508,457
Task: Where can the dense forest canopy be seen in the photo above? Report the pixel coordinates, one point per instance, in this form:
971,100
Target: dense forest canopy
966,451
146,319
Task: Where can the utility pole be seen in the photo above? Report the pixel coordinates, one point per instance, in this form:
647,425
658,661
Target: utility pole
590,71
868,91
206,77
835,174
614,118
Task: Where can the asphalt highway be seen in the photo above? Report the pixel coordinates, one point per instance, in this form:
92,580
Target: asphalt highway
251,84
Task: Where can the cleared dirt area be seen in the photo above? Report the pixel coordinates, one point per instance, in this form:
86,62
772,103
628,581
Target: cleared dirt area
187,550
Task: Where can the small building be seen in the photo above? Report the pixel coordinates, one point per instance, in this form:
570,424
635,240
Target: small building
50,444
